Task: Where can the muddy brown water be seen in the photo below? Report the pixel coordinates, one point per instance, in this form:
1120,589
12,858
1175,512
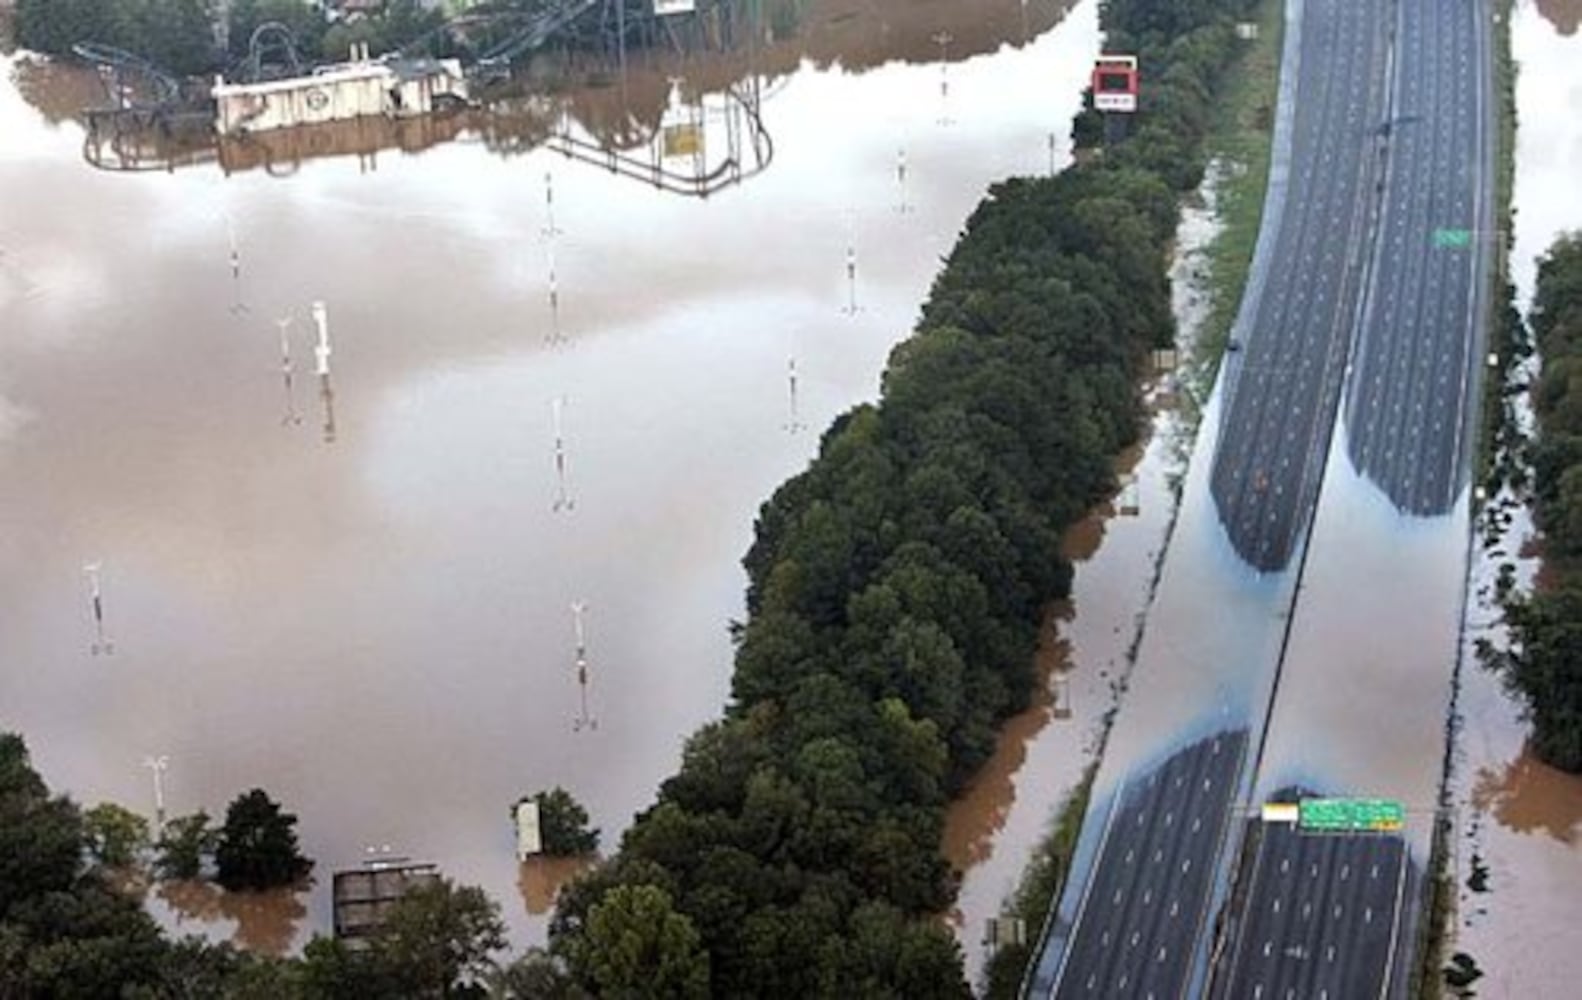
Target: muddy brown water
1519,821
366,611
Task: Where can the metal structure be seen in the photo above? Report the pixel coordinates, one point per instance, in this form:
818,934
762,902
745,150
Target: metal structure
129,80
271,55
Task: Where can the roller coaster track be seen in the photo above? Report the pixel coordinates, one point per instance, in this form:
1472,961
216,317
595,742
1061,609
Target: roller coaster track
130,81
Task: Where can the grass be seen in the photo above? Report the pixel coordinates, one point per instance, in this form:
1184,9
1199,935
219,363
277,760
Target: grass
1240,140
1039,890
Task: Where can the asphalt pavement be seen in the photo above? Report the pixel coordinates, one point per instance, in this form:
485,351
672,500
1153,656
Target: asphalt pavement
1147,902
1320,917
1283,381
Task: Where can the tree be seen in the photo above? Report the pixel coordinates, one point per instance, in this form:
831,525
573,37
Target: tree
537,975
116,835
438,939
183,846
258,845
41,838
562,823
637,945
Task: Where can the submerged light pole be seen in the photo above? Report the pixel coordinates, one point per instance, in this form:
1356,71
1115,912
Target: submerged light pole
900,177
943,40
550,229
563,499
583,720
101,641
321,359
793,423
237,306
555,335
287,370
158,766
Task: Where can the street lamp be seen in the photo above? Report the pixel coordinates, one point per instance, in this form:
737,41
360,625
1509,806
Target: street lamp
158,766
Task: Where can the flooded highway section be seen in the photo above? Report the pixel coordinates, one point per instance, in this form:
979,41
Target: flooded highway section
352,588
1518,849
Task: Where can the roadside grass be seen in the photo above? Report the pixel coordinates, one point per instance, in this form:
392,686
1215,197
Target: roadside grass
1239,141
1038,891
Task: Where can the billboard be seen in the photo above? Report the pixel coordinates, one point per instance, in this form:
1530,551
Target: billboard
528,840
1115,83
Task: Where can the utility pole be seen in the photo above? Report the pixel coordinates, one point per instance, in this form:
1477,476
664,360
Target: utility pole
158,765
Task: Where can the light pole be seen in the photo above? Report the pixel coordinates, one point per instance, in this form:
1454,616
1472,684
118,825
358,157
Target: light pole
158,766
943,40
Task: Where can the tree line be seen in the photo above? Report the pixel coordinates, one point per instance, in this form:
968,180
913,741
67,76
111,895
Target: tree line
69,927
184,36
1544,664
894,587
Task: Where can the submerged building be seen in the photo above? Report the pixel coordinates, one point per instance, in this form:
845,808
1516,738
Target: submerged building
393,88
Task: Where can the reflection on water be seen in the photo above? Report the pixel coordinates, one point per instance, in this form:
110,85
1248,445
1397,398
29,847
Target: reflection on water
539,880
1529,796
376,631
266,922
684,116
1520,819
1565,15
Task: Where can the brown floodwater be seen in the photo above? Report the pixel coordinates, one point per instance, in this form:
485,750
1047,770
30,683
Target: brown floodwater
354,591
1519,845
1087,642
1565,15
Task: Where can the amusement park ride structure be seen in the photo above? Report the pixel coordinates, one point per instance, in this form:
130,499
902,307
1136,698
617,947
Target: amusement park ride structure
274,111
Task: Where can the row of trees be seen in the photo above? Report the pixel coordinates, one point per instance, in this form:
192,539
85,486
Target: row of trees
1545,663
184,36
894,586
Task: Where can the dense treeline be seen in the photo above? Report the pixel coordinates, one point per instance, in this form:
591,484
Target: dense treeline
184,36
894,586
70,927
176,34
1545,664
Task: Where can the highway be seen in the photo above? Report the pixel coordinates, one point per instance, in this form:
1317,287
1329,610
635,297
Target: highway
1366,303
1319,918
1408,406
1283,383
1147,902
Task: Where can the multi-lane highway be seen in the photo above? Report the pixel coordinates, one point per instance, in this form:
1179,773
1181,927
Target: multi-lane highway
1408,399
1147,903
1282,384
1319,917
1370,277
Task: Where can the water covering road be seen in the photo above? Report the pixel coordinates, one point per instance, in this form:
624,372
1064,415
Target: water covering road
376,628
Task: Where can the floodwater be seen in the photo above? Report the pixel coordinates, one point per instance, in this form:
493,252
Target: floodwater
353,591
1519,836
1088,640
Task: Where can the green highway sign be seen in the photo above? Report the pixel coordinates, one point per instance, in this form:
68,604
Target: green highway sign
1350,815
1453,239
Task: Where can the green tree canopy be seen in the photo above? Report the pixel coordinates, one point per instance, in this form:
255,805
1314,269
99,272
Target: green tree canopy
258,845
